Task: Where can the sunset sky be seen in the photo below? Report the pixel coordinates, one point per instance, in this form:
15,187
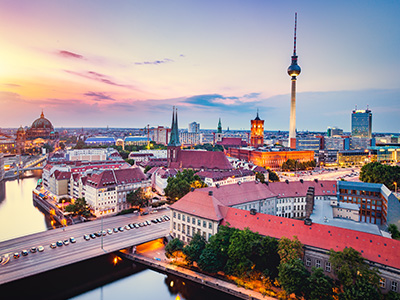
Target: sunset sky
126,63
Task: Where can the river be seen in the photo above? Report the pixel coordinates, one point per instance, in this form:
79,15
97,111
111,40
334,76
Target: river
95,279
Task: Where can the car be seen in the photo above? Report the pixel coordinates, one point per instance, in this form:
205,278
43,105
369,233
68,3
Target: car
16,255
160,220
1,259
66,242
53,245
24,252
141,224
86,237
33,249
166,218
131,225
104,232
109,231
92,235
59,243
127,227
148,222
144,213
72,240
115,229
121,228
40,248
98,233
154,221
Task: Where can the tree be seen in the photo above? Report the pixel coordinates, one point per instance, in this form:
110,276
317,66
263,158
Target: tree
180,185
392,296
394,231
130,161
172,247
264,254
362,289
376,172
49,148
260,177
147,169
273,177
290,249
349,265
138,198
194,249
209,261
79,207
219,243
293,277
319,285
79,144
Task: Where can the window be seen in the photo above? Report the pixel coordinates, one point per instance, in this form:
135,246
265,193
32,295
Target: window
382,283
188,219
394,286
193,221
317,263
308,262
183,217
174,225
179,227
179,216
327,266
209,225
204,224
198,222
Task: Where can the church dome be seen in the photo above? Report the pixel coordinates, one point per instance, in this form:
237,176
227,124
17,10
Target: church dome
42,123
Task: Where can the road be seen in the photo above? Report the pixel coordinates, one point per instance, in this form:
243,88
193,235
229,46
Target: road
34,263
348,174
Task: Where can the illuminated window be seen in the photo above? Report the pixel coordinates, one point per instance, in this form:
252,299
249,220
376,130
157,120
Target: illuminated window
382,283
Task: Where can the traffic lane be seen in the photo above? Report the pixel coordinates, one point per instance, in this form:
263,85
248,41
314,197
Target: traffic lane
51,236
62,256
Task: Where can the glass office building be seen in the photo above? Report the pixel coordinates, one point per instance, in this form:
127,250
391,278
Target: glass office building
361,123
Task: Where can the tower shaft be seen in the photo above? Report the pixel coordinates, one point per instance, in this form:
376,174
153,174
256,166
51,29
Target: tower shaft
292,126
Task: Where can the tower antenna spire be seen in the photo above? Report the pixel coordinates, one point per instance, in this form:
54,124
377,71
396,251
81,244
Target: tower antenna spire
295,29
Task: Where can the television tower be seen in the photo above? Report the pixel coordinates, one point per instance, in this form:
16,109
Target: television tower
293,71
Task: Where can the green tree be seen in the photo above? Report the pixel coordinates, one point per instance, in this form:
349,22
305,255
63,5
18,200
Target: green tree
79,207
349,265
264,254
260,177
130,161
394,231
319,285
209,261
290,249
273,177
180,185
392,296
138,198
147,169
220,242
377,172
293,277
173,247
361,289
194,249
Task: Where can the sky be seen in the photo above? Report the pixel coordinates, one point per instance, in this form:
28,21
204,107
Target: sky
125,63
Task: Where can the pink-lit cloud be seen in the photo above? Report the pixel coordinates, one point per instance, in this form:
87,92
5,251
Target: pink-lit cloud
69,54
98,96
98,77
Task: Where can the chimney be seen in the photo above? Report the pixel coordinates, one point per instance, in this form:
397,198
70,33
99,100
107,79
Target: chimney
210,193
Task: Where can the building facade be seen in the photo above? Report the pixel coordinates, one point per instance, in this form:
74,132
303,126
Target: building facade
257,132
361,123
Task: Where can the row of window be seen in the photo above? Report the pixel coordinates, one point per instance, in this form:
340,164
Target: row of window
189,219
393,286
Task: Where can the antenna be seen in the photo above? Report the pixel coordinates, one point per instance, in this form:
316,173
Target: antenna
295,28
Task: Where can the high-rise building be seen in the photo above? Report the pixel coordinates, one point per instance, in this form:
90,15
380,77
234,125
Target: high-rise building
361,123
257,132
334,131
293,71
194,127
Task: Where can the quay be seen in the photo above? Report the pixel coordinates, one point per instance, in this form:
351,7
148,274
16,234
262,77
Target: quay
202,279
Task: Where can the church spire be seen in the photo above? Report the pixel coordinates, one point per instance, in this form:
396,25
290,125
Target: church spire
174,139
219,129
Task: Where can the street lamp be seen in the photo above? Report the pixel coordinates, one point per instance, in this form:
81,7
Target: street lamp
395,188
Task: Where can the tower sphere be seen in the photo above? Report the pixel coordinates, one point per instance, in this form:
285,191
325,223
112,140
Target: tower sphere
294,70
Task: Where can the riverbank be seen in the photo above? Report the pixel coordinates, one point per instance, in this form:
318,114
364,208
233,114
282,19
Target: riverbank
164,265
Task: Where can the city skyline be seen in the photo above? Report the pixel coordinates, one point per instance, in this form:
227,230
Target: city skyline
123,64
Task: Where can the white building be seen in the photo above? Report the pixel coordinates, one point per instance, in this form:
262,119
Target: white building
194,127
86,154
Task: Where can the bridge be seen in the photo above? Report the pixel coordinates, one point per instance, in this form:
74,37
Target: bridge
12,269
30,166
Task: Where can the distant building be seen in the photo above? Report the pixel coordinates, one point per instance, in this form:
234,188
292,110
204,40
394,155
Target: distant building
232,142
1,166
353,157
100,140
311,143
41,128
194,127
190,138
86,155
361,123
135,140
337,143
334,132
218,135
360,143
160,135
257,132
218,178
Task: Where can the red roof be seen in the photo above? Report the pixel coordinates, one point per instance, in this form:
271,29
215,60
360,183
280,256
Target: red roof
61,175
232,142
201,204
116,177
197,159
372,247
297,188
218,175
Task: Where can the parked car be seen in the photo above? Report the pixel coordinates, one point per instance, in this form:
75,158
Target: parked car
66,242
115,229
24,252
53,245
92,235
131,225
59,243
109,231
33,249
86,237
121,228
16,255
72,240
127,227
40,248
